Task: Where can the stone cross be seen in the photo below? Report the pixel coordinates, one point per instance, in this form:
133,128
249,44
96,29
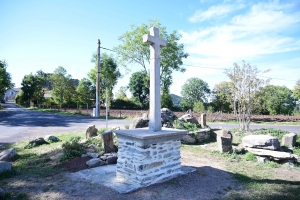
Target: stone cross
156,43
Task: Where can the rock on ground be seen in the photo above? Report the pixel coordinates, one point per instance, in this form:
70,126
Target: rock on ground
289,140
95,162
8,154
261,142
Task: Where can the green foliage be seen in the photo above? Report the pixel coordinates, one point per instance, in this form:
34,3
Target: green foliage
186,125
199,107
5,78
109,75
194,90
166,100
276,100
133,50
96,141
32,87
139,87
221,97
249,157
85,91
122,104
121,94
72,149
296,90
63,86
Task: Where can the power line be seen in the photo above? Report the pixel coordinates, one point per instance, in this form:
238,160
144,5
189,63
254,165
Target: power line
213,68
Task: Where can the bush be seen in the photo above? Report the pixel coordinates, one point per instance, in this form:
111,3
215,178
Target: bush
122,104
72,149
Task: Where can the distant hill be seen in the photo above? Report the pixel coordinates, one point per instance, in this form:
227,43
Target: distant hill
176,99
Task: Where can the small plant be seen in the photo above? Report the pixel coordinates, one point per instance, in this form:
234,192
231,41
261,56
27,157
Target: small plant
72,149
96,141
249,156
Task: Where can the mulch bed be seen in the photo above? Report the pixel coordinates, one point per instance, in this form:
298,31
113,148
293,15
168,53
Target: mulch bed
76,164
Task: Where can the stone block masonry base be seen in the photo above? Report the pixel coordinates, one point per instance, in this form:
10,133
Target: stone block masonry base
146,157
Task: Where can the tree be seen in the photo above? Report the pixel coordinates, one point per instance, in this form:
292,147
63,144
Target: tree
109,74
28,87
86,91
121,94
296,90
166,100
5,78
134,51
139,87
63,85
278,100
222,97
194,90
244,83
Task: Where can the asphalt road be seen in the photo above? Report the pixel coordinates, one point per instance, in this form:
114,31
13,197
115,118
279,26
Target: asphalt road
18,124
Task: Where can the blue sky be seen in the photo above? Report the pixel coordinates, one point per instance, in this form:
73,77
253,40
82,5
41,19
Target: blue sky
42,35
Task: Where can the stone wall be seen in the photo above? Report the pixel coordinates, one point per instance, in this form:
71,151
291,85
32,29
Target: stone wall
145,164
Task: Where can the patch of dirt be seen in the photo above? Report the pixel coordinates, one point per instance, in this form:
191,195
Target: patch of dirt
76,164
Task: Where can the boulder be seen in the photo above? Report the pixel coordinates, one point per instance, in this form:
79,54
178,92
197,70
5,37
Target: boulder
187,139
51,138
139,122
289,140
167,115
8,154
224,143
108,141
203,134
188,118
5,166
274,155
223,133
37,142
95,162
2,193
261,142
91,131
112,160
92,155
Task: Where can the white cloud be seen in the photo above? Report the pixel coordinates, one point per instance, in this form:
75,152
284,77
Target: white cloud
265,28
214,11
254,33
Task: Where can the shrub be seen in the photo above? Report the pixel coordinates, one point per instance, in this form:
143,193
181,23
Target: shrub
72,149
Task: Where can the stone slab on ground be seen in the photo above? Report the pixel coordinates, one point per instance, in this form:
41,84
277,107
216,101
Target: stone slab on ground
8,154
261,142
277,155
106,175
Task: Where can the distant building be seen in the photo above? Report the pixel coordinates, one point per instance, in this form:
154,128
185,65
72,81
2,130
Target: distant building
10,94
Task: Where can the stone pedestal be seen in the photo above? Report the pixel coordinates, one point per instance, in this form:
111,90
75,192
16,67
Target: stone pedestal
146,157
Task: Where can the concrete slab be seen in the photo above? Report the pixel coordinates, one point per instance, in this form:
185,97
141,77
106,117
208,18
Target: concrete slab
106,175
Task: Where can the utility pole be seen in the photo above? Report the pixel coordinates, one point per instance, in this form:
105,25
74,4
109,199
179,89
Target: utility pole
98,83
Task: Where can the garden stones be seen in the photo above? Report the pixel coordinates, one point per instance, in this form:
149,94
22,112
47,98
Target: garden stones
261,142
289,140
8,154
91,131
